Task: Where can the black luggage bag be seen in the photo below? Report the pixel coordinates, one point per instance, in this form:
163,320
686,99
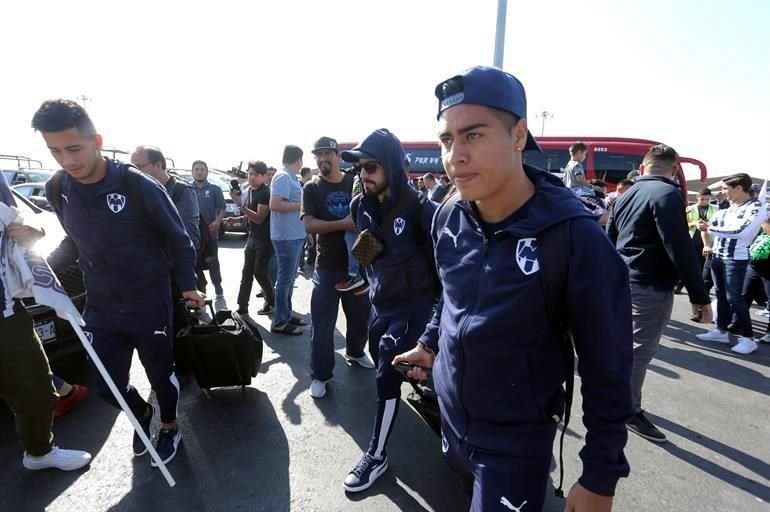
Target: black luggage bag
226,352
424,401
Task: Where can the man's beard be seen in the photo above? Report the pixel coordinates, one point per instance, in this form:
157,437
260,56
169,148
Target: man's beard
325,168
376,191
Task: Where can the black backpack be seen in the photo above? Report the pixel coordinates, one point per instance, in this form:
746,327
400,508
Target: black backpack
554,268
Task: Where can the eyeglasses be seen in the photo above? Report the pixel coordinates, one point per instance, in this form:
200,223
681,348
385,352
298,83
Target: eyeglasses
142,166
370,167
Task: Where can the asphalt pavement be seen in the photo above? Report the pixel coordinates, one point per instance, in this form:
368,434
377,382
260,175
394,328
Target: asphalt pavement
271,447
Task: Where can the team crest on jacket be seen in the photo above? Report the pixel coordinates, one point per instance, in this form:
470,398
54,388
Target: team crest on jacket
116,202
526,256
398,226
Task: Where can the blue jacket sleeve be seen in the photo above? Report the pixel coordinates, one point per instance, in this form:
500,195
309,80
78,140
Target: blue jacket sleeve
190,213
171,228
599,309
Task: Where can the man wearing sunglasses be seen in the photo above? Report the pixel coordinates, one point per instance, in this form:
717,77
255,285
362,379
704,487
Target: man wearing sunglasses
499,358
402,286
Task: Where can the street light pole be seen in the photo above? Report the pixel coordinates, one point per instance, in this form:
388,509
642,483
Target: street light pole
502,7
544,115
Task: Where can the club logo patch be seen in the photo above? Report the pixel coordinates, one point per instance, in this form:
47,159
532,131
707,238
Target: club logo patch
116,202
398,226
526,256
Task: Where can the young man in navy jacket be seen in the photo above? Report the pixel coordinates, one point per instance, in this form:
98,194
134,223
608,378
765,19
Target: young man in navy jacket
127,254
401,283
498,361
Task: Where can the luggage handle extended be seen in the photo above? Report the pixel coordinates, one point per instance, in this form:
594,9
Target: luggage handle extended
189,316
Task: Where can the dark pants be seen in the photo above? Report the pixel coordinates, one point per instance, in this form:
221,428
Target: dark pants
115,336
311,253
212,263
390,336
729,276
496,480
324,306
757,280
25,382
256,258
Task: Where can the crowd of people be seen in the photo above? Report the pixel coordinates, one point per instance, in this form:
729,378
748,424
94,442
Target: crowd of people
428,272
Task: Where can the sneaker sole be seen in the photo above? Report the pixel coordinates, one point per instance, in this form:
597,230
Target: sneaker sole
33,466
724,342
375,475
645,436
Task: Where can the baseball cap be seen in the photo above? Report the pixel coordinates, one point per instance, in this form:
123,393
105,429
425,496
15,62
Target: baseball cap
376,146
488,86
325,143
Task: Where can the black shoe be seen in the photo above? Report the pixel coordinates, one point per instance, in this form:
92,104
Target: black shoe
144,422
641,426
266,309
365,473
243,310
168,442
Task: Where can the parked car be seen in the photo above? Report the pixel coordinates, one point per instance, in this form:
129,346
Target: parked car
35,193
19,176
56,334
231,209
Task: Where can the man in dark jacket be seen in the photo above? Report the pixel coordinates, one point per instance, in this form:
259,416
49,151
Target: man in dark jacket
498,360
649,229
127,262
401,280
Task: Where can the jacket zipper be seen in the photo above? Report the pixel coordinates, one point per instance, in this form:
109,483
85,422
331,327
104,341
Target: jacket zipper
463,329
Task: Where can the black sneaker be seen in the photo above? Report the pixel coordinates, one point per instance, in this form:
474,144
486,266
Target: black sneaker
365,473
266,309
243,310
641,426
168,442
144,422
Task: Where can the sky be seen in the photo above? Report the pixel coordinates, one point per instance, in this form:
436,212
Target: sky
229,81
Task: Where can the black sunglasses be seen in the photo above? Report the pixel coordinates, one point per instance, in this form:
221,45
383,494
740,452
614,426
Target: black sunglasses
369,167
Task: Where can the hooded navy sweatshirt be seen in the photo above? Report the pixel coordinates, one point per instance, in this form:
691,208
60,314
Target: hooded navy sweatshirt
500,364
401,279
126,258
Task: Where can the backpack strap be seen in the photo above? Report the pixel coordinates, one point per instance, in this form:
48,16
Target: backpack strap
442,214
554,251
57,182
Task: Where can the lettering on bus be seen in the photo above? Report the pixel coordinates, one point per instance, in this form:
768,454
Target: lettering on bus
600,150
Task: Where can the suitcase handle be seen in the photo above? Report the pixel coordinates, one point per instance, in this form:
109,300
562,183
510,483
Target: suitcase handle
189,316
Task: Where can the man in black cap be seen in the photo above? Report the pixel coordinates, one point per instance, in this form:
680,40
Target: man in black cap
498,375
326,213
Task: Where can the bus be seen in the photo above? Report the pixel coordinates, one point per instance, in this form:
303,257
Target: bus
609,159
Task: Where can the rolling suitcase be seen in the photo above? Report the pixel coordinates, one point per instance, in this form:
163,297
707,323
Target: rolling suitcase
226,352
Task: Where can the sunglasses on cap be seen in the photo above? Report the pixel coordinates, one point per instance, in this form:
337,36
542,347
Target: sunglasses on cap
369,167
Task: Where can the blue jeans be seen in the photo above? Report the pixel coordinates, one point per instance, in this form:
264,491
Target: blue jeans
287,257
350,239
324,305
729,276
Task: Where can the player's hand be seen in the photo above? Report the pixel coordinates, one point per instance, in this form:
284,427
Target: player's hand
23,234
581,499
194,299
417,356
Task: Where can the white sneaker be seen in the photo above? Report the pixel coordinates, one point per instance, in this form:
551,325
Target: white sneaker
714,335
765,338
66,460
762,312
318,388
745,346
219,303
364,361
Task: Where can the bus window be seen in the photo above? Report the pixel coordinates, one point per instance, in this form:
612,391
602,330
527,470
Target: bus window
551,160
613,167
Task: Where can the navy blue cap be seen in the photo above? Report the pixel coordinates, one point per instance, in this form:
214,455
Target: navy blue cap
488,86
377,146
